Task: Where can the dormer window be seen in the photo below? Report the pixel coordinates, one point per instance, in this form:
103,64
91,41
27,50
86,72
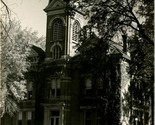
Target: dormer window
75,31
57,29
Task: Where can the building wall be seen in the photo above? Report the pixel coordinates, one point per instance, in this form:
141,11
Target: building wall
125,83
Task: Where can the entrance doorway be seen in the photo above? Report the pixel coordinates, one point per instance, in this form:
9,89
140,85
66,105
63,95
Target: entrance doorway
54,118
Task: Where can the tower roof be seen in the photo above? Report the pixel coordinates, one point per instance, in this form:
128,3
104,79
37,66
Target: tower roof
55,4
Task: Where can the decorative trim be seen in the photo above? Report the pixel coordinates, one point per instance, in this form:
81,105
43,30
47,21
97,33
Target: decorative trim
76,21
56,17
55,44
56,12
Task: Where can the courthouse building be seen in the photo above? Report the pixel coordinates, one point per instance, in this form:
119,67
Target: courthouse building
60,88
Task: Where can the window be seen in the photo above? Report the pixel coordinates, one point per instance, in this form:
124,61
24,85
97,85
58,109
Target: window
98,120
88,85
56,52
20,117
99,87
54,117
140,117
75,32
88,117
57,29
99,83
29,118
29,89
55,88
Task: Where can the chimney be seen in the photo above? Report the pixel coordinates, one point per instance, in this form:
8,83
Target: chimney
124,43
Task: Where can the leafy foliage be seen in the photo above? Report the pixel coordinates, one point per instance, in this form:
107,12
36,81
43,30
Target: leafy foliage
14,51
96,60
133,18
112,16
34,39
15,48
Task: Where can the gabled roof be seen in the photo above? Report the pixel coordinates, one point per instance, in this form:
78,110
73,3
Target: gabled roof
59,4
33,52
37,52
93,39
55,4
114,48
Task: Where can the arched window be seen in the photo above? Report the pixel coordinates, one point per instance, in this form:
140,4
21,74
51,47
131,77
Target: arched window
56,52
75,32
57,29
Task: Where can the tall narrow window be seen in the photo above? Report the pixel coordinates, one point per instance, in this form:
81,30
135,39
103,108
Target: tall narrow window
29,118
20,117
75,32
30,89
99,120
88,117
88,85
57,29
99,87
55,88
56,52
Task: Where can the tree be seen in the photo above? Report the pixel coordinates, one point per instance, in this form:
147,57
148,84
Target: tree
141,70
14,51
130,17
112,16
133,18
140,91
15,48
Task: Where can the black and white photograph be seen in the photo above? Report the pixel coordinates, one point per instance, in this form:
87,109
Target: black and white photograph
77,62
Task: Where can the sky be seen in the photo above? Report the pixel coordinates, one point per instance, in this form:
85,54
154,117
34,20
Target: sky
30,13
